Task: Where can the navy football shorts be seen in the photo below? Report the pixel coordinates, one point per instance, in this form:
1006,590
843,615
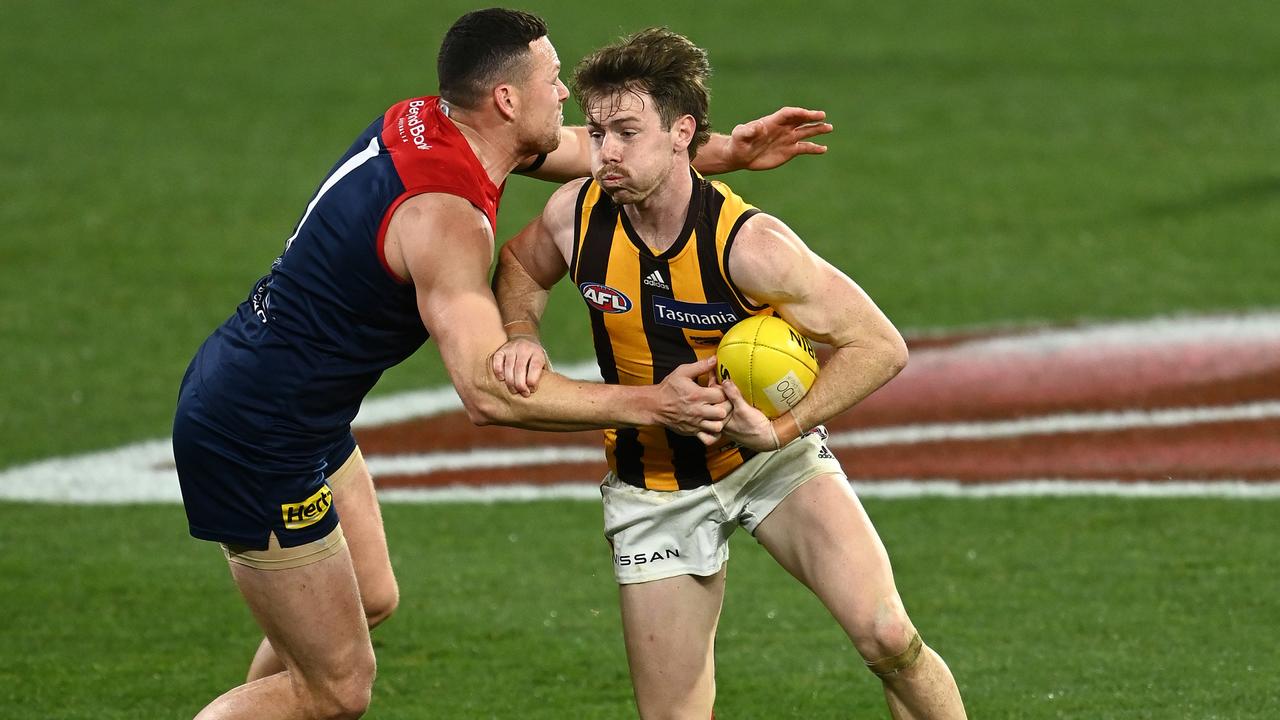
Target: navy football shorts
238,494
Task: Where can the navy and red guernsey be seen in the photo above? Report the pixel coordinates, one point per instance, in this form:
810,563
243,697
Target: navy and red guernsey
284,376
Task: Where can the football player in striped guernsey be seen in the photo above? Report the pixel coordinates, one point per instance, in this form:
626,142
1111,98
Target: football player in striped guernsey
666,261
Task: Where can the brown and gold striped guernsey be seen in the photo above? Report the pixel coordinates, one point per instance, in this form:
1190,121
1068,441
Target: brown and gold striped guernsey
650,313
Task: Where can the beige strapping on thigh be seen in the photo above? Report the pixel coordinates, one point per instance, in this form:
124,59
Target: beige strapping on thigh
337,477
281,558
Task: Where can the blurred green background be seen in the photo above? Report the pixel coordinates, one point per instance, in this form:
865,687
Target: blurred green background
993,162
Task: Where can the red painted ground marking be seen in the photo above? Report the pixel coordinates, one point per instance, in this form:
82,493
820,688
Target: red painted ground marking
980,379
1213,451
955,385
530,475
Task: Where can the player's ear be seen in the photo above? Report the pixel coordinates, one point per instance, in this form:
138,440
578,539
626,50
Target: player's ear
507,100
683,131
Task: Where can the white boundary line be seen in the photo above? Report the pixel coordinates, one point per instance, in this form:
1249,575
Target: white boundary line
882,490
1055,424
142,472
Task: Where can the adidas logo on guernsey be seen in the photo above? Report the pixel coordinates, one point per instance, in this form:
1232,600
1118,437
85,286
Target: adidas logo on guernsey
654,279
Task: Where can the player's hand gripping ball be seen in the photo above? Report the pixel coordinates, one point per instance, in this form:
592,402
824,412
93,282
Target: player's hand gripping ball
770,362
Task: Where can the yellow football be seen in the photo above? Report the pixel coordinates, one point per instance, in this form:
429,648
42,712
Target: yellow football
770,362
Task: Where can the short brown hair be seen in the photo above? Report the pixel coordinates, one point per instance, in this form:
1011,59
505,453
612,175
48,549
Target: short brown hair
666,65
482,49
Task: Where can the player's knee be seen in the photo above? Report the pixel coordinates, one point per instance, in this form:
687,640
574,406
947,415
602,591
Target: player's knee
888,642
889,667
346,696
692,702
352,701
380,604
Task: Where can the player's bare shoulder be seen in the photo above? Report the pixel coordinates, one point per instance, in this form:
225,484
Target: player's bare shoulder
767,256
557,219
421,218
559,209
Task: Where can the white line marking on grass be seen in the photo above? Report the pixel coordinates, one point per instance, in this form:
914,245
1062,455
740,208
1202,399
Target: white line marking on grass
142,472
438,401
131,474
522,492
139,474
481,458
1055,425
1257,327
1156,488
880,490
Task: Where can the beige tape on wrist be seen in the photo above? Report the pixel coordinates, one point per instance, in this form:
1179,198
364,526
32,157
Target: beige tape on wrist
799,427
777,441
530,334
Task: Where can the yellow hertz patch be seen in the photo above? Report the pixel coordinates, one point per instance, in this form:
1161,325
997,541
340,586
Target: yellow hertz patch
309,511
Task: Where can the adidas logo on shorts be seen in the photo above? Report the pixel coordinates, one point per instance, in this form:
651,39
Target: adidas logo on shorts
654,279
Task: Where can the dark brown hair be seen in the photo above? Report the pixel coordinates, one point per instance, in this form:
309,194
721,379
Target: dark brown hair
666,65
482,49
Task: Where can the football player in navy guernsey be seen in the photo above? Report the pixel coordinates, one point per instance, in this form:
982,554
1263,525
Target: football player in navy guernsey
395,245
666,262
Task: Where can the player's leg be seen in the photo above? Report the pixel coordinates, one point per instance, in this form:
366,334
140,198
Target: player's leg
670,627
821,534
313,617
669,552
356,502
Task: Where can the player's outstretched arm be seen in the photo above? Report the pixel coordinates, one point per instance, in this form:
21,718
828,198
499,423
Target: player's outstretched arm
772,265
760,144
445,245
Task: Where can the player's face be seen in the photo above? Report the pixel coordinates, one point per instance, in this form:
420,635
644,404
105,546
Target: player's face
632,151
543,98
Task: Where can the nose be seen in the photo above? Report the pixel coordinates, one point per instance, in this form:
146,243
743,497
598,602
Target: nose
561,91
610,148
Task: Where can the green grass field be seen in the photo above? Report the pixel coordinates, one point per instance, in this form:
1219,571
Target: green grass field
994,163
1048,608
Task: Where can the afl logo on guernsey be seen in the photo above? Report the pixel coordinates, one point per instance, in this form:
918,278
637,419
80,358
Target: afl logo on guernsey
604,298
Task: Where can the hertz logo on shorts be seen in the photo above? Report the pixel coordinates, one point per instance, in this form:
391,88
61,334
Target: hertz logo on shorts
309,511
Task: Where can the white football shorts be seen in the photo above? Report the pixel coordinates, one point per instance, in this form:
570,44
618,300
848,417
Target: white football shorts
657,534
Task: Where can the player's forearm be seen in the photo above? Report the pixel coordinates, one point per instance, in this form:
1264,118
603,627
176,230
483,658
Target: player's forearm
563,404
521,300
714,158
572,159
852,374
